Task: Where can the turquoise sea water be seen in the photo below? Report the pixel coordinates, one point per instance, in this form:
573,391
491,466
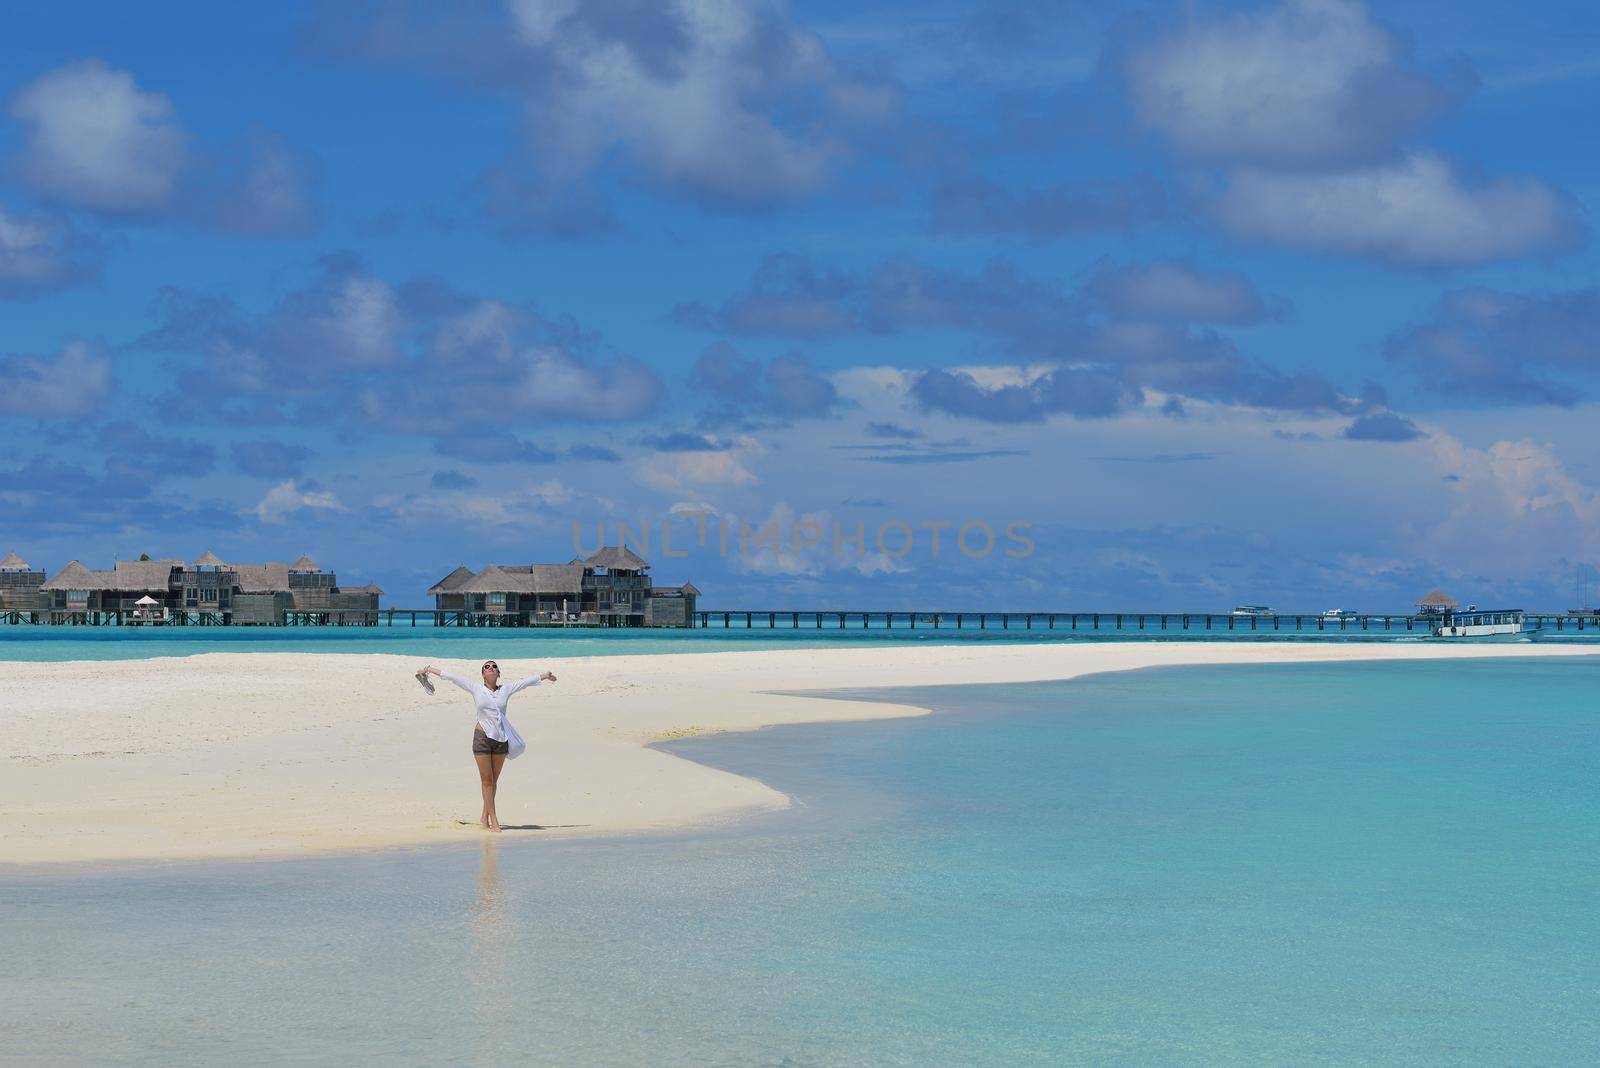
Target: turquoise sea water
54,643
1357,863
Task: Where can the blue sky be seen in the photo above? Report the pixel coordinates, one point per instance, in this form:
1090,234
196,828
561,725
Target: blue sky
1286,303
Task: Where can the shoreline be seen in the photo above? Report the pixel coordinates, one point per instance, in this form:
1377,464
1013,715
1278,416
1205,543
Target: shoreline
112,764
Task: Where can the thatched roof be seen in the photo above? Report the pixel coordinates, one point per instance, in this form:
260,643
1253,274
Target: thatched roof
524,578
688,589
207,559
494,579
1437,599
550,578
139,575
77,577
452,582
131,576
13,562
270,577
305,563
617,558
371,587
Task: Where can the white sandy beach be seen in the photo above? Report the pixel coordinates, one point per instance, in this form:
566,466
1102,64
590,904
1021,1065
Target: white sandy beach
260,755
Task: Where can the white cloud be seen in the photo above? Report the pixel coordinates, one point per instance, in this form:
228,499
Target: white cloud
1514,507
94,139
1303,82
677,471
698,93
76,380
491,348
287,497
1417,212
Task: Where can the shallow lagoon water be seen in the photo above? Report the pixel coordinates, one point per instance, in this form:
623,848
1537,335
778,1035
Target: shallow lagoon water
1357,863
61,643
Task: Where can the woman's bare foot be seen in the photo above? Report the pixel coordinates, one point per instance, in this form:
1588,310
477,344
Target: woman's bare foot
483,820
494,823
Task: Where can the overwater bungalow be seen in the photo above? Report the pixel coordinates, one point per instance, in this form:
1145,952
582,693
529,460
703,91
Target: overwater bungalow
608,588
206,590
19,586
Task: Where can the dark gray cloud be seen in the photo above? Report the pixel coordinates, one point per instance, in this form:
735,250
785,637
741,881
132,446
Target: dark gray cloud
270,459
1382,426
978,206
683,441
351,345
43,253
597,453
1503,346
1176,290
1085,394
740,388
451,480
892,430
504,447
940,457
789,297
1131,327
1163,458
127,442
494,447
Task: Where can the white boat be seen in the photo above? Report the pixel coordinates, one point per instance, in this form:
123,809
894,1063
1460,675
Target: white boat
1489,624
1252,610
1340,613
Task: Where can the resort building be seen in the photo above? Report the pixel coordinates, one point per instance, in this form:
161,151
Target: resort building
19,586
610,588
207,590
1436,603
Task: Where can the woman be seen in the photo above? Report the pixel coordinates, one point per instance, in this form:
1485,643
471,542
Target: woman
494,740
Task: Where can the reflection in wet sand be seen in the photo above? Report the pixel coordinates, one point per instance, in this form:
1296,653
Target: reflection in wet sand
490,928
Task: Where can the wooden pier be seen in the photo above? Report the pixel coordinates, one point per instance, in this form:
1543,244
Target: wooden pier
1153,623
1121,622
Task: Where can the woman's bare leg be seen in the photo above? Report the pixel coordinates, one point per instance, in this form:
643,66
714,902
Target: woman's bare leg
496,760
486,777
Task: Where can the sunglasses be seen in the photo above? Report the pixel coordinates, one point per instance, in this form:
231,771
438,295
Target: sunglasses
491,664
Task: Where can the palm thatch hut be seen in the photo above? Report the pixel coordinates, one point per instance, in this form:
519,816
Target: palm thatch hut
1436,603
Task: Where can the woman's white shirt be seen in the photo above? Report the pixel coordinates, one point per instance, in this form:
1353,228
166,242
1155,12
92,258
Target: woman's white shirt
491,704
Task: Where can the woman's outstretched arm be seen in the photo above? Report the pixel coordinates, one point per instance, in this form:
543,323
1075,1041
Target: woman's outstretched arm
531,680
446,676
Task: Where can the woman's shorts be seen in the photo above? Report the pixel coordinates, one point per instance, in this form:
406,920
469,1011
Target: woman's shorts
482,743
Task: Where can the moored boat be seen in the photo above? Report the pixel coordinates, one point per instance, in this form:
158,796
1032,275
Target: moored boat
1491,624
